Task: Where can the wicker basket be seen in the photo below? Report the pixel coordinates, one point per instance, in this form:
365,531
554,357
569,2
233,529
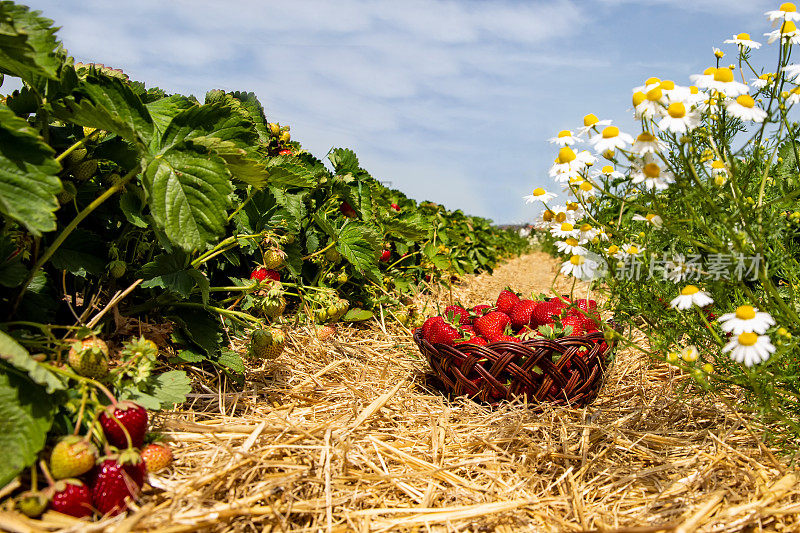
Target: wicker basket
544,370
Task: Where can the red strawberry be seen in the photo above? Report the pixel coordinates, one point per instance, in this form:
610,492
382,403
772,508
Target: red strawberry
480,341
586,305
506,301
544,313
385,256
115,479
456,312
347,210
428,326
72,497
285,152
467,328
262,273
480,310
576,323
128,414
492,324
521,313
444,333
395,207
506,338
156,456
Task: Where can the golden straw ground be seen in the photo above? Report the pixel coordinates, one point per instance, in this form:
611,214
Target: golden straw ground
342,435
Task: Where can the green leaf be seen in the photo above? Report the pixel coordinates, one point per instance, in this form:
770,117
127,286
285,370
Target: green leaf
187,356
357,315
239,164
81,253
284,173
441,262
343,160
28,45
255,111
412,228
173,272
170,387
358,244
18,357
132,207
324,225
232,360
12,271
26,415
108,104
162,111
189,195
28,180
201,328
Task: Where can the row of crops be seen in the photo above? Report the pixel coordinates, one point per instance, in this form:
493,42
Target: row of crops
166,225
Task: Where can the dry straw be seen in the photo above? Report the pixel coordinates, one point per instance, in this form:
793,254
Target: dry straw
343,435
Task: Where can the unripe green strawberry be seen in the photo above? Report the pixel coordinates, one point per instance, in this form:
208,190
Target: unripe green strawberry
266,343
85,170
333,255
32,503
88,131
89,358
67,194
274,307
285,137
321,315
273,258
287,239
76,156
117,269
342,278
72,456
274,129
156,456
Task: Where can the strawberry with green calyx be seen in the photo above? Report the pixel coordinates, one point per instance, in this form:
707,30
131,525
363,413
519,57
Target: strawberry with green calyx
124,424
117,269
76,156
156,456
480,310
84,170
506,301
89,358
333,255
521,313
444,333
385,256
72,497
266,343
575,323
456,313
261,274
492,324
427,326
72,456
116,479
274,258
325,332
32,503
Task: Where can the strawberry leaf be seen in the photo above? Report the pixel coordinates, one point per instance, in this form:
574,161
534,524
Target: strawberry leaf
358,244
343,160
28,45
28,180
18,357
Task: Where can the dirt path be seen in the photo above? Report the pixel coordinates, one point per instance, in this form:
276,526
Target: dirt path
342,436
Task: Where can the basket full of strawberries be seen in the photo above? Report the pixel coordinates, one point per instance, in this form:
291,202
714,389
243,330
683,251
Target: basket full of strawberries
548,350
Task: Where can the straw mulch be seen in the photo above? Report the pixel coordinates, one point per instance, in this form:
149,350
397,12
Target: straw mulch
343,435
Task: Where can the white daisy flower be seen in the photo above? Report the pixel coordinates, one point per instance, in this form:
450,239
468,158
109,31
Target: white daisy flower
591,122
744,108
794,96
787,33
649,104
585,190
628,250
765,79
569,164
678,269
647,143
539,195
678,119
707,76
717,168
746,319
564,138
608,172
575,211
610,139
691,295
743,39
724,82
545,219
579,266
786,11
588,233
650,218
791,71
649,83
649,173
690,353
565,230
709,105
749,348
570,246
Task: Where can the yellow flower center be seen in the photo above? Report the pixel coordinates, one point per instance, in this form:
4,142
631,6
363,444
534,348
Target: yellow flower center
650,81
654,94
710,71
668,85
717,164
788,27
743,36
765,77
561,217
566,226
787,7
610,132
547,216
608,169
633,250
590,120
586,186
719,180
745,312
586,227
689,290
572,206
746,100
577,260
566,155
690,354
645,137
677,110
693,89
650,217
651,170
708,368
638,98
719,53
538,191
572,242
711,102
748,339
613,249
723,74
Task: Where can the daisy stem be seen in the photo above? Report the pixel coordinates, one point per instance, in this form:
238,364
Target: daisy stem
714,334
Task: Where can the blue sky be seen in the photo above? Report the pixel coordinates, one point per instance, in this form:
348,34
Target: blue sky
451,101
